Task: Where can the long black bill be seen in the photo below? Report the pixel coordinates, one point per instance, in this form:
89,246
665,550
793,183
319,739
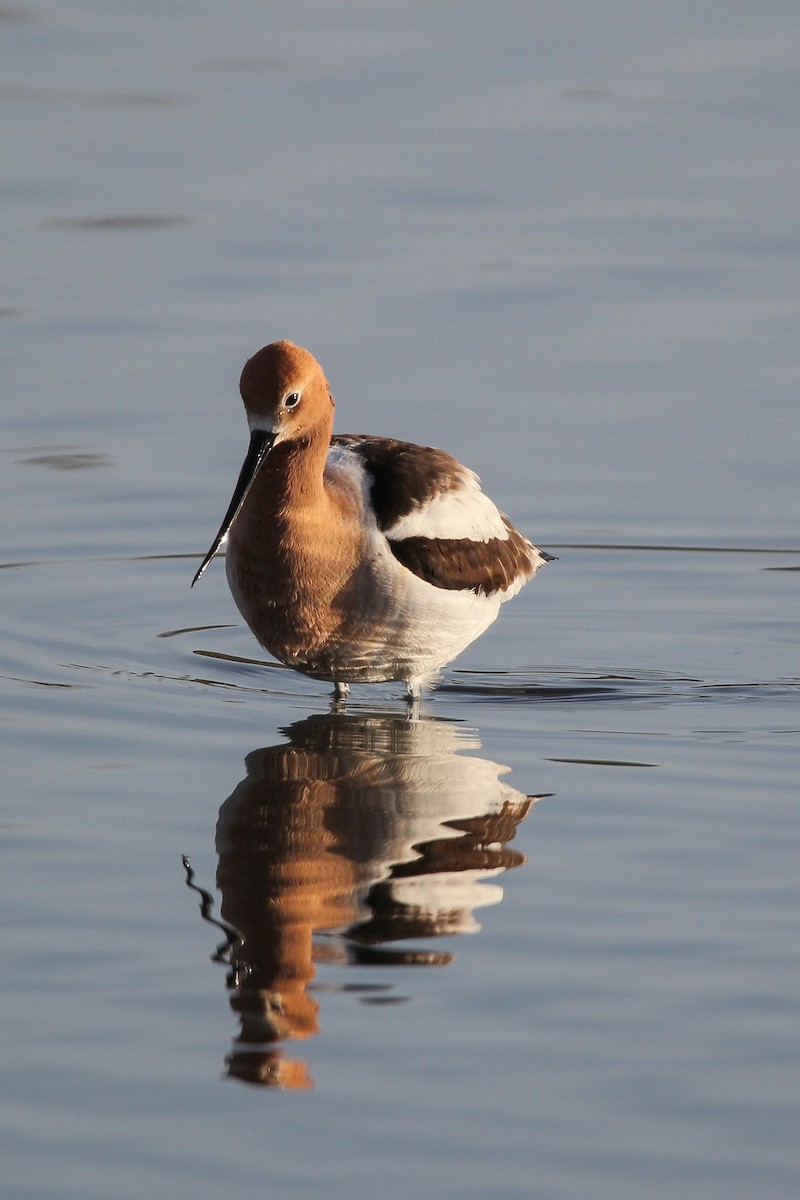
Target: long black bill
261,443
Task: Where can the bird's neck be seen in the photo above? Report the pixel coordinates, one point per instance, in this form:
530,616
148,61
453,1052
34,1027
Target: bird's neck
296,541
291,480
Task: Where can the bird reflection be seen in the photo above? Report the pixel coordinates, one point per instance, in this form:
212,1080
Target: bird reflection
357,833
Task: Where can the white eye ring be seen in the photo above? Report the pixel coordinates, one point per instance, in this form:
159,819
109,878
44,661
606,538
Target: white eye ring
292,400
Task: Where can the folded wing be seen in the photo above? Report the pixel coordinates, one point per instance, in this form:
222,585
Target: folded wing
437,521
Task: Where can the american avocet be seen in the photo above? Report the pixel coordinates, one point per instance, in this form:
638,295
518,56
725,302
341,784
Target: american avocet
358,559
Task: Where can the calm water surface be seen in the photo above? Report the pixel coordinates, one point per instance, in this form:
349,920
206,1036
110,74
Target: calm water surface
542,940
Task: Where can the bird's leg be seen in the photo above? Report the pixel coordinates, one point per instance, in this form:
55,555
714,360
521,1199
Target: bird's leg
413,695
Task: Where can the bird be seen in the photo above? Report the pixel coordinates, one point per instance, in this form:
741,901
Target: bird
353,558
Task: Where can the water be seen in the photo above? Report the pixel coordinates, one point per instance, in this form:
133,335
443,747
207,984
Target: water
542,941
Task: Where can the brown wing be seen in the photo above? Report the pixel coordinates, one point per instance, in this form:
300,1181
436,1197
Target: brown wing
406,478
463,564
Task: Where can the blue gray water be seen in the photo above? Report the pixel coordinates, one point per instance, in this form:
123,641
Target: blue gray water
541,942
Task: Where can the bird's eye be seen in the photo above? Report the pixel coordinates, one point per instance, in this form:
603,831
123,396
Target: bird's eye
292,400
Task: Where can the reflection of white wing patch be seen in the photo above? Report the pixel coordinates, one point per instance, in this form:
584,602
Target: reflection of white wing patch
463,512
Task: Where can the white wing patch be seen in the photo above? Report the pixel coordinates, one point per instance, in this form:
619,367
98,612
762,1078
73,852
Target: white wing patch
346,467
463,513
342,458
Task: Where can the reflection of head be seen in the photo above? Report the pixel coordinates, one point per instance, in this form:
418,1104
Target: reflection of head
270,1069
375,828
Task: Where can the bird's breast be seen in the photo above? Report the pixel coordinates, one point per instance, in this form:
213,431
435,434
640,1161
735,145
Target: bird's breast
293,571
